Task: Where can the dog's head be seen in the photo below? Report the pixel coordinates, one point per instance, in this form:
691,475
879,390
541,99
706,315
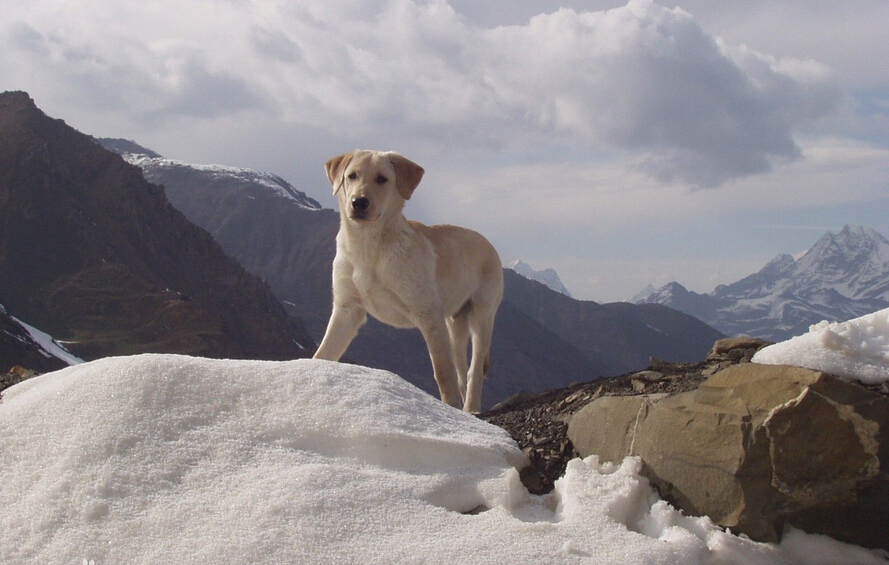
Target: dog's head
372,185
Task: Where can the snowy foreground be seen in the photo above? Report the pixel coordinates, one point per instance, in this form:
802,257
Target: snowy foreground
857,349
171,459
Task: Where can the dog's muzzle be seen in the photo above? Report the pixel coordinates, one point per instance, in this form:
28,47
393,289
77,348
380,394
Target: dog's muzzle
359,208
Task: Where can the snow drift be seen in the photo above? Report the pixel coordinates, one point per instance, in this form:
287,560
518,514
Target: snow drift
856,349
172,459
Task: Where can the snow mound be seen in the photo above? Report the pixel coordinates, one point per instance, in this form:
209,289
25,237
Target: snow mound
857,349
172,459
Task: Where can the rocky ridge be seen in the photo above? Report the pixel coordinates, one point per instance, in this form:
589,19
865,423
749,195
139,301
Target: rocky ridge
18,348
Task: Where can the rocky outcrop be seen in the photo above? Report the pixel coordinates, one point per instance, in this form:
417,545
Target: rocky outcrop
741,348
14,376
756,447
538,422
753,447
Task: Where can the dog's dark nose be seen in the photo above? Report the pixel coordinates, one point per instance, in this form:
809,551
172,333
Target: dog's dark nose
360,204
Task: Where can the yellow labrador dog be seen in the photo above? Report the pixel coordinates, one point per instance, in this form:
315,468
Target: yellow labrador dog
445,280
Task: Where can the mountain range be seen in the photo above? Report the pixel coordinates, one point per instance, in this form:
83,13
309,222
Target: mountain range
842,276
542,339
117,256
94,255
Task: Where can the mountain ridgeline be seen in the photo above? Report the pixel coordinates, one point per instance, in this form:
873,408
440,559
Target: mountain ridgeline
93,254
842,276
542,339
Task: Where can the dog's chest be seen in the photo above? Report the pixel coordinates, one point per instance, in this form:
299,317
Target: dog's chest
380,299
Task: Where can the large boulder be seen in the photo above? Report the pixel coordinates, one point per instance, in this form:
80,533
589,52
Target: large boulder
756,447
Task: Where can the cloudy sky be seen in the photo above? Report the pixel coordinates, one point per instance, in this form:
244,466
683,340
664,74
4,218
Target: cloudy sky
621,144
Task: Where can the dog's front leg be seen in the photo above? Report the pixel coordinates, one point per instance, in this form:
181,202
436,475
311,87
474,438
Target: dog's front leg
435,332
341,330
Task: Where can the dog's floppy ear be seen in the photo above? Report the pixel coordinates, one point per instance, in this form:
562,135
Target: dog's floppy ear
407,174
336,167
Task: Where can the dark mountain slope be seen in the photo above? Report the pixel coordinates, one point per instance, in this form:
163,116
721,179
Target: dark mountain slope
626,335
96,256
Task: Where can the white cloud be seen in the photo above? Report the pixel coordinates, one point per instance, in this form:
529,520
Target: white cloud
844,35
640,78
569,196
608,220
570,137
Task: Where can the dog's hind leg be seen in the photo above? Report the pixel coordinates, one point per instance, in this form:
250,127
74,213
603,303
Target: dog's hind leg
435,332
482,329
458,328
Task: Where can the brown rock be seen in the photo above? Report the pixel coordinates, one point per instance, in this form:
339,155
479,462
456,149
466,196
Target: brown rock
14,376
648,376
756,447
726,345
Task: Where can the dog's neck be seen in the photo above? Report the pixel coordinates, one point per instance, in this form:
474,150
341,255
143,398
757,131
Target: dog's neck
369,237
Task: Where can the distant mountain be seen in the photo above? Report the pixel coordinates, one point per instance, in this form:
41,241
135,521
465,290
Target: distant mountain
640,296
274,230
843,276
221,178
96,256
549,277
542,339
625,335
127,146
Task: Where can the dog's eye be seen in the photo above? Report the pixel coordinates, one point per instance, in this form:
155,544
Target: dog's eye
353,175
382,180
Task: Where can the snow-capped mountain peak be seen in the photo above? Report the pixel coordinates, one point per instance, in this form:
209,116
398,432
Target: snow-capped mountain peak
640,296
842,276
236,174
156,169
854,262
548,277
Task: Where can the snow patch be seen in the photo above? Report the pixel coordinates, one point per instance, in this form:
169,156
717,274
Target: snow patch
276,184
50,347
173,459
857,349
